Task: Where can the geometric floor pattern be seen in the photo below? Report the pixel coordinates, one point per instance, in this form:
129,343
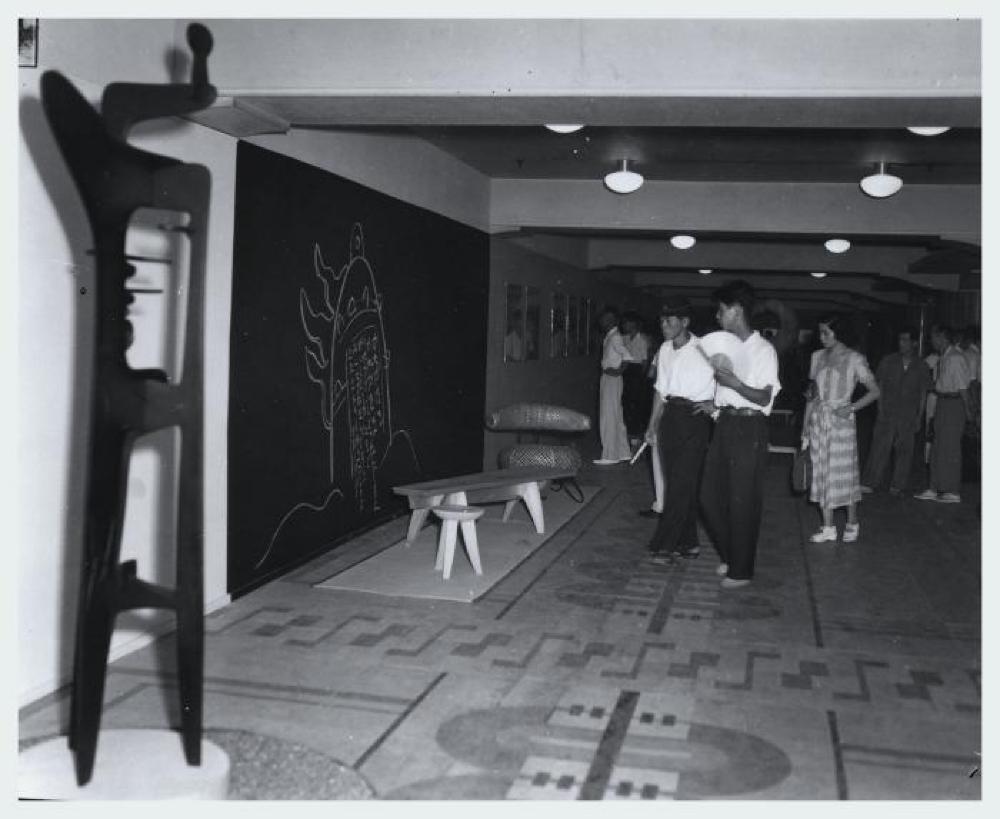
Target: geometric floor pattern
843,672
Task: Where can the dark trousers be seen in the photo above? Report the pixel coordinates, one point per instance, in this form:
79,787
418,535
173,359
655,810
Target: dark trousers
683,440
891,437
636,395
946,452
732,490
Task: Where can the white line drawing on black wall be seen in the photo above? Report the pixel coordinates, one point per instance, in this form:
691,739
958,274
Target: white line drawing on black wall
347,357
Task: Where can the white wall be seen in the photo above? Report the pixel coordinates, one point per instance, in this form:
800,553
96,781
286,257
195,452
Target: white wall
55,329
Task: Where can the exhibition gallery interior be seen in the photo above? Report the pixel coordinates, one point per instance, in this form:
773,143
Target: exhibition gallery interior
315,346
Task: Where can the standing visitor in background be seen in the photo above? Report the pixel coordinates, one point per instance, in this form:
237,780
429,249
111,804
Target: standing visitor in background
614,440
732,490
973,357
635,390
684,379
904,381
931,360
829,431
951,390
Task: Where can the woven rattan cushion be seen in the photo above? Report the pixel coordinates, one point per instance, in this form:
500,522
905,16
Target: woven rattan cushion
540,417
556,456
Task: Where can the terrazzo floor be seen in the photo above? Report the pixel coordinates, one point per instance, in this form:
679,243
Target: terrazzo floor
843,672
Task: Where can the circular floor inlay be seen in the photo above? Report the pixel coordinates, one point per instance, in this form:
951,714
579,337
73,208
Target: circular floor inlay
265,767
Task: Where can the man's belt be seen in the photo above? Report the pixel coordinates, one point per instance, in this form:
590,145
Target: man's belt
948,394
680,401
747,411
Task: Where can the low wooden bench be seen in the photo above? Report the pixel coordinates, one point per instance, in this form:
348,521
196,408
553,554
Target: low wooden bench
482,487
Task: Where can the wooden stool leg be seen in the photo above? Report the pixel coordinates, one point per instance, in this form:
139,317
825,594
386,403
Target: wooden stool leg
508,508
449,534
442,539
533,500
419,516
471,545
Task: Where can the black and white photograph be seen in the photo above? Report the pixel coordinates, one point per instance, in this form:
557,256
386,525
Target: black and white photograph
540,403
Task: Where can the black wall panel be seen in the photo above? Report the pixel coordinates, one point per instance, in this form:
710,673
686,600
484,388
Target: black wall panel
357,359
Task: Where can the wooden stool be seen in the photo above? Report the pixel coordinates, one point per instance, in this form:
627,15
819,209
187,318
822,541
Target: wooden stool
451,518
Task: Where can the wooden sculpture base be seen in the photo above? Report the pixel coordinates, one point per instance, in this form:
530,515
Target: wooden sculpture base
143,764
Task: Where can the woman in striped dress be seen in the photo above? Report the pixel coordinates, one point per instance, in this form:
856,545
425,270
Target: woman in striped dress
829,431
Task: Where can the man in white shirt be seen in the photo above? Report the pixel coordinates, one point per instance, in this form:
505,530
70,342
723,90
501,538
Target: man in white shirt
614,439
951,388
974,358
635,388
684,378
732,492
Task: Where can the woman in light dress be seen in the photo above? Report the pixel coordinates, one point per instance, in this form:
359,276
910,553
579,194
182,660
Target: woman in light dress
829,431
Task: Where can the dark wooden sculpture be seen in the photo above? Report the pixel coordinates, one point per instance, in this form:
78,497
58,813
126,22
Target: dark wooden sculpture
114,180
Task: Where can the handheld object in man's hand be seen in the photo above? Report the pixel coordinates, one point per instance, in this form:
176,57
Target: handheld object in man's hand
638,452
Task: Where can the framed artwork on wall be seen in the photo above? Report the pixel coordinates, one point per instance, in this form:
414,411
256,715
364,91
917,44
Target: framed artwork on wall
558,326
572,325
532,322
514,334
583,337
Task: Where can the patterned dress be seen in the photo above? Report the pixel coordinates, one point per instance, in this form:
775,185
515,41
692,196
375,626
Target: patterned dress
833,441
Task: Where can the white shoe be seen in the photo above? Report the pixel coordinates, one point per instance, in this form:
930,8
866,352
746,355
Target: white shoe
605,461
851,532
824,534
733,583
949,497
927,494
722,569
866,490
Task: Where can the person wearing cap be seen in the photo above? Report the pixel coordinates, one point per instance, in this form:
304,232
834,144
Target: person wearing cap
679,430
732,494
614,438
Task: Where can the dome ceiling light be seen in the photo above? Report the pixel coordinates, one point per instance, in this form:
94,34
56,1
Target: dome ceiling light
880,185
623,180
682,241
564,129
705,271
837,245
928,130
818,275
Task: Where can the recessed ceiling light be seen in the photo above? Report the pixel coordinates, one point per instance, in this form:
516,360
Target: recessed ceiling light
837,245
881,184
817,275
623,180
682,241
928,130
705,271
564,129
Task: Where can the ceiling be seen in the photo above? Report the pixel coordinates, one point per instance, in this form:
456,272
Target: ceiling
763,148
738,154
714,153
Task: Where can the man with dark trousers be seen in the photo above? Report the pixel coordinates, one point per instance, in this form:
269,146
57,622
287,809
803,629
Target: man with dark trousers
952,411
904,381
679,430
732,488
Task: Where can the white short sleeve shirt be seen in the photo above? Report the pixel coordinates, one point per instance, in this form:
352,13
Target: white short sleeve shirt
756,365
683,372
